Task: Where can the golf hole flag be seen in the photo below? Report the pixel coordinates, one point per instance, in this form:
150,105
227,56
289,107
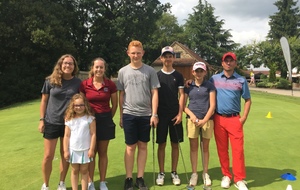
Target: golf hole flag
287,56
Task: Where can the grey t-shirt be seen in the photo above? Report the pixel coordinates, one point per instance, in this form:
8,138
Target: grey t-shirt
137,85
59,98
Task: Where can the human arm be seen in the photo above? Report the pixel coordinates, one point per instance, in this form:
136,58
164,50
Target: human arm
178,117
154,117
121,101
114,103
192,116
246,111
66,143
43,107
91,152
211,109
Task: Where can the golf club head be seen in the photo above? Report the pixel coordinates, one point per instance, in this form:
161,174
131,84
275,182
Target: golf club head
190,187
207,187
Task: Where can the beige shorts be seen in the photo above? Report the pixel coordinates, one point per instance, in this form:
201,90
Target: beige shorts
193,131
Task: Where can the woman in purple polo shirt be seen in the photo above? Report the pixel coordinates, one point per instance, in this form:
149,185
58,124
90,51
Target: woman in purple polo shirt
100,92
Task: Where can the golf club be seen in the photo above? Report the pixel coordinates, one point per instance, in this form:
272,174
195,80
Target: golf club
187,178
205,187
153,158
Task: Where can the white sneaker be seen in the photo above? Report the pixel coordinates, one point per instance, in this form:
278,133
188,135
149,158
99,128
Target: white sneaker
103,185
225,183
160,179
175,178
91,186
241,185
206,180
44,187
61,186
194,179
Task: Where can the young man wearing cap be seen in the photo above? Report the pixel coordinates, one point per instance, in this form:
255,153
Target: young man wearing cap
138,101
202,102
170,109
231,87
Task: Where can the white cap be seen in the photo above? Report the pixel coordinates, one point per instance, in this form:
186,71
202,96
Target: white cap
198,65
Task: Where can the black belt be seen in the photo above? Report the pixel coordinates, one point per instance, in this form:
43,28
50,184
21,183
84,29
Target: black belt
228,115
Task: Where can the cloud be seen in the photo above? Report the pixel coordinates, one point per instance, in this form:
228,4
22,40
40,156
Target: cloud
247,20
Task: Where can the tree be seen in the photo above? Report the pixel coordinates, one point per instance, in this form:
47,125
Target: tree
33,35
167,31
286,21
205,34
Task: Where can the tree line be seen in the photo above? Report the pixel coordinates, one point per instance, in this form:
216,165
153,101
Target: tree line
34,34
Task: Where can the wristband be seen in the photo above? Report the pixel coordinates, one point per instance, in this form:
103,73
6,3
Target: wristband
154,115
42,119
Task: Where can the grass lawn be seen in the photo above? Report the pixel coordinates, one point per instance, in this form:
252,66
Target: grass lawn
270,149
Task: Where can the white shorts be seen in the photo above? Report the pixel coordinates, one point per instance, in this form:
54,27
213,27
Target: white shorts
79,157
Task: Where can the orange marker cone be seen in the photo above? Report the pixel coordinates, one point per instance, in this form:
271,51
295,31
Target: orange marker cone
269,115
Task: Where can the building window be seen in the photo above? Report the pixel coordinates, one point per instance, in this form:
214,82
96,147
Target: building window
177,55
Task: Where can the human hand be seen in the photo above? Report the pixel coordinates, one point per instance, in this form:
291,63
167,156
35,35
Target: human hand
41,127
67,155
154,121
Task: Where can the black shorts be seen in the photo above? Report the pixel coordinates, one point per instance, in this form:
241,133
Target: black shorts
105,126
136,128
53,131
166,125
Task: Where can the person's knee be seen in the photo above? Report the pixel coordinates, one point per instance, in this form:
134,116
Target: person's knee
162,146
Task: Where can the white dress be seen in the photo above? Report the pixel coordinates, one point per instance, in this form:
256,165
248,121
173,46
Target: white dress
80,139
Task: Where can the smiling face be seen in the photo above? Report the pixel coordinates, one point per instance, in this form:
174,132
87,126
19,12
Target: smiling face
135,54
79,107
167,59
67,66
99,68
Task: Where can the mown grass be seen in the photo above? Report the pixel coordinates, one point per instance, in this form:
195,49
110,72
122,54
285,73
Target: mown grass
271,149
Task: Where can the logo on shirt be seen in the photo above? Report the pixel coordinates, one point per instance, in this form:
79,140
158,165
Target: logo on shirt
105,89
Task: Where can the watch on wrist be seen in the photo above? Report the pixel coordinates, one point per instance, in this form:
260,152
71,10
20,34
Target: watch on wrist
154,115
42,119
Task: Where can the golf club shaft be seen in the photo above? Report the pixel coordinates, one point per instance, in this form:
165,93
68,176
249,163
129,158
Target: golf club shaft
153,154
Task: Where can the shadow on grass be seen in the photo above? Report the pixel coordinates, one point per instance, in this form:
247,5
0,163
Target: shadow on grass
256,177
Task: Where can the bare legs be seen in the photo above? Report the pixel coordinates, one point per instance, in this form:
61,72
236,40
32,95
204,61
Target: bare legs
49,151
141,158
83,169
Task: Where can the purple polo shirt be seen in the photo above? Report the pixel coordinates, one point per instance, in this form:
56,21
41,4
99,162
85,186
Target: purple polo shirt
229,92
199,98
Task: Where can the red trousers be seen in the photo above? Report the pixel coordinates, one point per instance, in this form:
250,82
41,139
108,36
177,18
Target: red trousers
230,129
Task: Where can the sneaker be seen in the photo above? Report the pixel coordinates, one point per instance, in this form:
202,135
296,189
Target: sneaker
225,183
140,184
175,178
91,186
128,184
61,186
194,179
241,185
103,185
44,187
206,180
160,179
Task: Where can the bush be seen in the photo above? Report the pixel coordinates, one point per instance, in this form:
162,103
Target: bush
283,84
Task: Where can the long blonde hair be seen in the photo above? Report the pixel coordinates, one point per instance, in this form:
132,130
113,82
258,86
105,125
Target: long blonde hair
56,77
70,113
91,72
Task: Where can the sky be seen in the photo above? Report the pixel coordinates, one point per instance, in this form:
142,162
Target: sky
247,19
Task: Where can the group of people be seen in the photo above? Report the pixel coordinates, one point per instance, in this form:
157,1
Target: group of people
81,113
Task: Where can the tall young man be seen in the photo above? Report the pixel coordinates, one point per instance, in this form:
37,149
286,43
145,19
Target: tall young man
138,99
170,114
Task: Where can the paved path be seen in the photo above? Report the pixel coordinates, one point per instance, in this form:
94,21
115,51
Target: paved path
295,92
